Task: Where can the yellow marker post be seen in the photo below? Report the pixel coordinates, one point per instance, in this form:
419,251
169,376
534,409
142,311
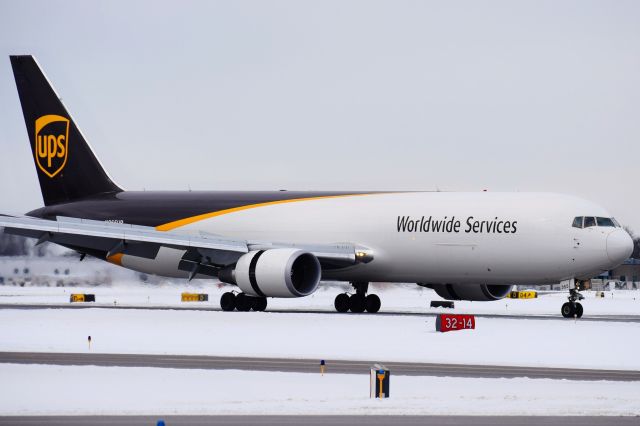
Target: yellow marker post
381,378
322,367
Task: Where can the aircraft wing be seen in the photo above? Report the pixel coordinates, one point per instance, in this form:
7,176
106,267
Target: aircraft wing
205,252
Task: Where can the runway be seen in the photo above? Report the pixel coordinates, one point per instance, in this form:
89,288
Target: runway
312,366
319,420
586,317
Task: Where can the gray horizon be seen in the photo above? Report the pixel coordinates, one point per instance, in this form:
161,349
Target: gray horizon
327,95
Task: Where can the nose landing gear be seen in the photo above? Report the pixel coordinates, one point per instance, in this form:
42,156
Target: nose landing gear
573,308
359,302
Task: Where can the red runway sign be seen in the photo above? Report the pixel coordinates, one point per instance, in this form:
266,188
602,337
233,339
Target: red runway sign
450,322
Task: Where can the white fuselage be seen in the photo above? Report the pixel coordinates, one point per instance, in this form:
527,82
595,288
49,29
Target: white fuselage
471,238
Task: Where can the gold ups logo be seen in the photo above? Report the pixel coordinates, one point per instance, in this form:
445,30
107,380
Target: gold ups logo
52,142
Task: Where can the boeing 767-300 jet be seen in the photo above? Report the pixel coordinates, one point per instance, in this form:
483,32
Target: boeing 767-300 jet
464,245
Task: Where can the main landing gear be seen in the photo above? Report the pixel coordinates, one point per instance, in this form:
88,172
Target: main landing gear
242,302
572,308
358,302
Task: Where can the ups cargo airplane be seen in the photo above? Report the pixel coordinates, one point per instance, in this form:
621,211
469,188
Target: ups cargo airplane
465,246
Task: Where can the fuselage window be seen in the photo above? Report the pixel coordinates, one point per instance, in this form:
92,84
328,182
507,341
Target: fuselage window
589,221
615,222
605,221
577,222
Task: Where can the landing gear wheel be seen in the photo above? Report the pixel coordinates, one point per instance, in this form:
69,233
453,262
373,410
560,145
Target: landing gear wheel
342,303
228,301
572,307
568,310
259,304
243,302
357,303
372,303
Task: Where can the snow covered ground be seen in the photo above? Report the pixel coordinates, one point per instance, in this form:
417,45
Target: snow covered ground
43,389
503,341
38,389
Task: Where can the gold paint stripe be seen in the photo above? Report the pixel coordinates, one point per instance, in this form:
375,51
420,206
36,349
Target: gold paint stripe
189,220
116,259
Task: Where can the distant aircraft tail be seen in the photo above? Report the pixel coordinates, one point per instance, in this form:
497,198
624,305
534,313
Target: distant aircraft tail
67,167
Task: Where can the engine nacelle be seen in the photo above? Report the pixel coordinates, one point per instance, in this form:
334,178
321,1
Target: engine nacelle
474,292
280,272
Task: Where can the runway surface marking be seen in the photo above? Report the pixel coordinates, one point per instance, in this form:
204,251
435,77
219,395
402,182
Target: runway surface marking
312,366
359,420
608,318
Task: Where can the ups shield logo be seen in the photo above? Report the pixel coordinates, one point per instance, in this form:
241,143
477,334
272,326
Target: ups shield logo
52,143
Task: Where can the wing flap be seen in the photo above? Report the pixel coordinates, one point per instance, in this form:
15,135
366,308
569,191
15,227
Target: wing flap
203,249
120,232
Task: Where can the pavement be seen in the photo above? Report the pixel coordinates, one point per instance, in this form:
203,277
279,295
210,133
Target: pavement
586,317
311,366
318,420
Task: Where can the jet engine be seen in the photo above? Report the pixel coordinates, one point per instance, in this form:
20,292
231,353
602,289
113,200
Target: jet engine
474,292
280,272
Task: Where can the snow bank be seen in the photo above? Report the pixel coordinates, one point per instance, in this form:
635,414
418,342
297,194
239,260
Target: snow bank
54,390
500,341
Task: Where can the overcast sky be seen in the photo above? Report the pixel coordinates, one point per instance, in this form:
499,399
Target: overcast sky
344,95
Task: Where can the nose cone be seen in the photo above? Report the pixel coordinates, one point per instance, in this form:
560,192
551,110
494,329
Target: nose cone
619,246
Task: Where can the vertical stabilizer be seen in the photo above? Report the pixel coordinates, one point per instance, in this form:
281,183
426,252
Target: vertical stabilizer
66,166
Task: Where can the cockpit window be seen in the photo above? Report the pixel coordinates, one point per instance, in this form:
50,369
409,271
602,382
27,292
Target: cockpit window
588,221
605,221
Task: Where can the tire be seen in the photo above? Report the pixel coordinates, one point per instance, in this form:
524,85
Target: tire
372,303
579,310
342,303
567,310
259,304
357,304
228,301
243,303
